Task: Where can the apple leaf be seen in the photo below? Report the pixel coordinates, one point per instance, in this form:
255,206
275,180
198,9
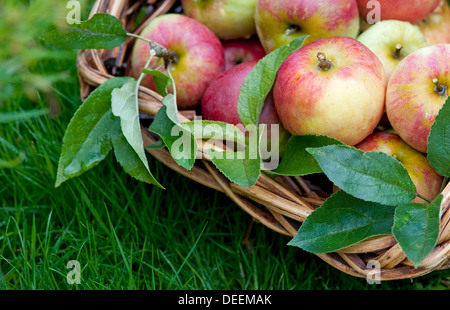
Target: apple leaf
342,221
124,105
161,80
156,145
259,81
242,166
180,141
439,141
243,171
296,161
416,228
371,176
87,140
170,102
102,31
128,158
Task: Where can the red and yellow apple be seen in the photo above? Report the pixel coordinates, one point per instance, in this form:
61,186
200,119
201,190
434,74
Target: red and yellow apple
416,92
392,41
411,11
242,50
228,19
436,27
199,56
279,22
427,181
334,87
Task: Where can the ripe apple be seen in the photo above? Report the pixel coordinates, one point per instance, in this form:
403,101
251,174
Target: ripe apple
199,56
436,27
417,91
242,50
228,19
279,22
334,87
220,101
411,11
392,41
427,181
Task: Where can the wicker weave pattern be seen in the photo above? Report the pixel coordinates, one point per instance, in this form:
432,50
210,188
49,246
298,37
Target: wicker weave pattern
281,204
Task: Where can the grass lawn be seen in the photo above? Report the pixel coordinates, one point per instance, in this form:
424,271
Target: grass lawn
132,236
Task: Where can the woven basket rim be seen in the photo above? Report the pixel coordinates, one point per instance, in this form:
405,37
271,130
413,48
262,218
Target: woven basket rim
280,204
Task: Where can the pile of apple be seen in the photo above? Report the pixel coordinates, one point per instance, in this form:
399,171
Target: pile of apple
349,81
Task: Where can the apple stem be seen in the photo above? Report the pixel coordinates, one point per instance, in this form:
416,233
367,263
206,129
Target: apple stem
440,89
292,29
398,49
324,64
168,55
173,83
136,91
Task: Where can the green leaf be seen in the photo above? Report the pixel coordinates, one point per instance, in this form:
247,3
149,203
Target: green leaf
128,159
342,221
242,171
416,228
161,80
156,145
102,31
259,81
243,166
124,104
87,140
170,102
371,176
296,161
179,140
439,141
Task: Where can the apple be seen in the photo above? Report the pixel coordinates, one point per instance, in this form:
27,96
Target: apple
242,50
436,27
279,22
199,56
334,87
228,19
417,91
427,181
220,101
411,11
392,41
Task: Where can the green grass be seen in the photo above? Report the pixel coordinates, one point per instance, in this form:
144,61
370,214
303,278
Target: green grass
132,236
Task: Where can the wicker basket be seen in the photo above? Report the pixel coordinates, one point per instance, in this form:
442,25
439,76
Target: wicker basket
281,204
